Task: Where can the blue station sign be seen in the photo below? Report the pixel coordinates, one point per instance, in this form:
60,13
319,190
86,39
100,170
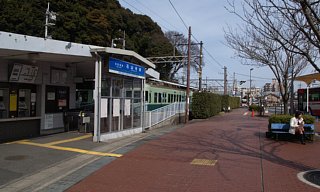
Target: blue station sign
126,68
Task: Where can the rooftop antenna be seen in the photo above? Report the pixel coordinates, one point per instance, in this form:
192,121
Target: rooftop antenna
50,16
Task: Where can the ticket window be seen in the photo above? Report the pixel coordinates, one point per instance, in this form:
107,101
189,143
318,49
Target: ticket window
4,103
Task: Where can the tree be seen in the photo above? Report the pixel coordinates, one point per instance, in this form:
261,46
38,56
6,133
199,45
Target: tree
304,16
259,43
179,46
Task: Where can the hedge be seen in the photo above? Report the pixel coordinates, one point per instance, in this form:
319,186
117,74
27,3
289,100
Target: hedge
308,119
206,104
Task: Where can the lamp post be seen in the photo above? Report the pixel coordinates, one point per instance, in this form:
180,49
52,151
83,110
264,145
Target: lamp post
250,88
123,39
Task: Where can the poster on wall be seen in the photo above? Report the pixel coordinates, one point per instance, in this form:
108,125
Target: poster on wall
13,102
62,103
58,76
51,96
33,97
104,108
116,107
127,107
48,121
23,73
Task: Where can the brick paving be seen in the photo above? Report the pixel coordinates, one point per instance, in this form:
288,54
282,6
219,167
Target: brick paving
246,160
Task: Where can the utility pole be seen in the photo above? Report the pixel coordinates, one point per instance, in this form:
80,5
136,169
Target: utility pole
200,67
234,84
291,91
225,92
188,77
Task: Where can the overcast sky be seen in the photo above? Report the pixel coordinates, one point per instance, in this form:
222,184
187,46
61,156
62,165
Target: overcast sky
208,19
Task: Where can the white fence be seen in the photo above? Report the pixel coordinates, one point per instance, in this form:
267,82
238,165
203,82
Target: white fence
156,116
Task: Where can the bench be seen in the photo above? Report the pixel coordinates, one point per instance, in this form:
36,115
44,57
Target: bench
283,128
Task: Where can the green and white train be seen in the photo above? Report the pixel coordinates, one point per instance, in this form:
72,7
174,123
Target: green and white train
160,93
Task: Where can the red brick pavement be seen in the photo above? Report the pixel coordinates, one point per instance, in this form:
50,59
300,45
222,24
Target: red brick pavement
247,161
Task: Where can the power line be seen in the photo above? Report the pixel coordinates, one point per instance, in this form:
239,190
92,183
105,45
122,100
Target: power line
142,13
253,76
133,7
178,15
155,13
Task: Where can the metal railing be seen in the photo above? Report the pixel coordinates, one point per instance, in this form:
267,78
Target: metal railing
156,116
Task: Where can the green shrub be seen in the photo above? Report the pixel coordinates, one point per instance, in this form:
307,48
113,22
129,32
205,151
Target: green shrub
308,119
206,104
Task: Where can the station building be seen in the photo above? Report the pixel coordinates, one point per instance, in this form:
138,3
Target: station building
42,80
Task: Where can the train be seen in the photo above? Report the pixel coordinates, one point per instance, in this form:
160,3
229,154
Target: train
159,93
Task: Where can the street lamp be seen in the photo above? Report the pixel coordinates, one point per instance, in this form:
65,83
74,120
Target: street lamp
250,88
123,39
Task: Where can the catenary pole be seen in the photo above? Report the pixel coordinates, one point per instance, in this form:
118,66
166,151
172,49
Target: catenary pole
188,77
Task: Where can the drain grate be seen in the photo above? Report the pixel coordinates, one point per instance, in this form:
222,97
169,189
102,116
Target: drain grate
313,177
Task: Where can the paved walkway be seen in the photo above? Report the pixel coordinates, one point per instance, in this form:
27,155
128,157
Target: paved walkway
224,153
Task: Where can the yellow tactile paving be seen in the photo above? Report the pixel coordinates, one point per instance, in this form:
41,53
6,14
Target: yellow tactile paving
70,149
69,140
207,162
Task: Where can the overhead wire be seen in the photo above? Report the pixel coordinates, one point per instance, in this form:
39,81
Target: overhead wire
142,13
155,13
184,23
186,26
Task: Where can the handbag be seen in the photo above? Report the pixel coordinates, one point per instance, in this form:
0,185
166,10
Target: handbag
292,130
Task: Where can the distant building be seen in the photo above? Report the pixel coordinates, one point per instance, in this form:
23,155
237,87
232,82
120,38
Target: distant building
271,87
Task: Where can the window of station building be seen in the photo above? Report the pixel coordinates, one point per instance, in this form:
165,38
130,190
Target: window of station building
137,88
105,87
128,86
169,98
137,112
117,85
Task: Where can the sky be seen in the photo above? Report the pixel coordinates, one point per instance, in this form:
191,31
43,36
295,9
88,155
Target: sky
208,19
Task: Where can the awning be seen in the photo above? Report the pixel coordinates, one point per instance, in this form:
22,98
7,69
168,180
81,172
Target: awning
308,78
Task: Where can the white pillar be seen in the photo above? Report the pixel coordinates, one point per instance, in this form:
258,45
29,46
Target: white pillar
308,99
97,99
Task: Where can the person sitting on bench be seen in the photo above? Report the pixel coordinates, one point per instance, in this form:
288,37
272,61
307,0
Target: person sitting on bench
297,123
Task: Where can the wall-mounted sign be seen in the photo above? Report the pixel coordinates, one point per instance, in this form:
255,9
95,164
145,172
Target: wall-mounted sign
23,73
126,68
58,76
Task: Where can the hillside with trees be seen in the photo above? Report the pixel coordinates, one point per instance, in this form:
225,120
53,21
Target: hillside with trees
88,22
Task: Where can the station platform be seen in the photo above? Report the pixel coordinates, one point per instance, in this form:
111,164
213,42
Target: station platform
228,152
